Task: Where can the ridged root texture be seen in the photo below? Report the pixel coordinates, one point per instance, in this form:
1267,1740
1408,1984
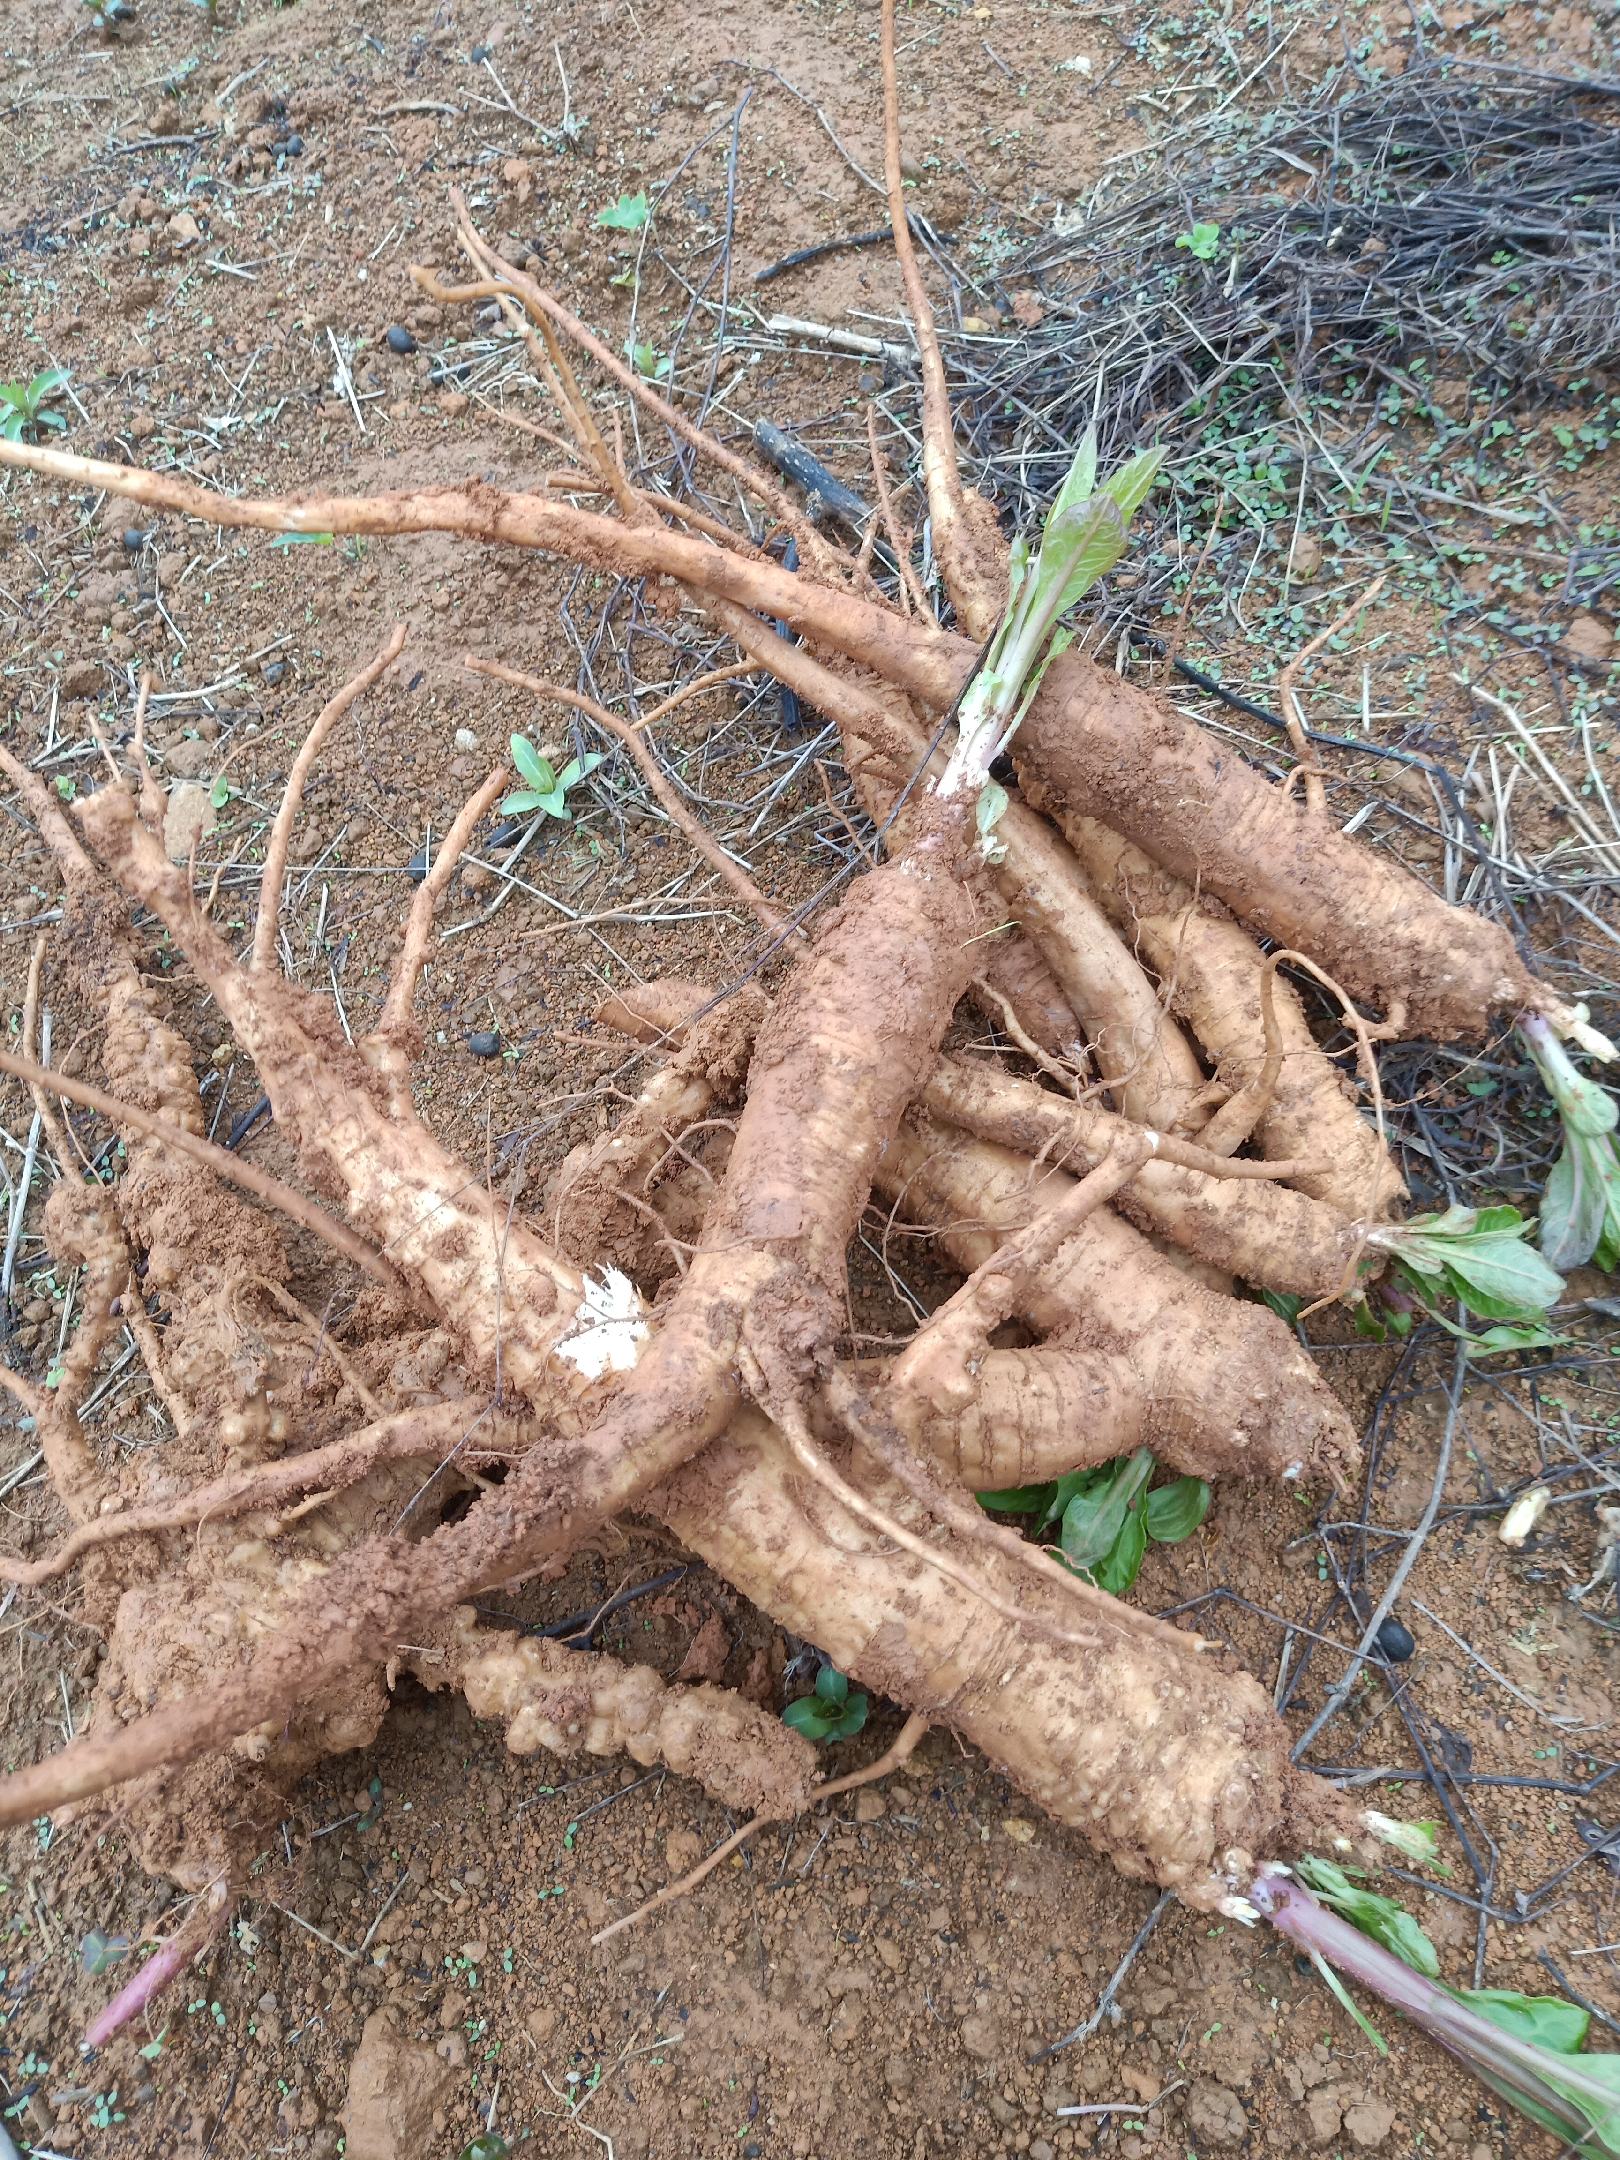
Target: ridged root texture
586,1703
1223,1382
1174,1767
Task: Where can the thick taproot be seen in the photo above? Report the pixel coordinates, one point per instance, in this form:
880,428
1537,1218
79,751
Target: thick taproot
1172,1765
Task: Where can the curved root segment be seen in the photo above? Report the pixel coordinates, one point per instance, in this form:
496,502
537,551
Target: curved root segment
1087,737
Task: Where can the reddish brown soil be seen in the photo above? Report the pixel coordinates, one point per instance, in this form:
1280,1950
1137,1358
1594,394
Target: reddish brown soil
871,1982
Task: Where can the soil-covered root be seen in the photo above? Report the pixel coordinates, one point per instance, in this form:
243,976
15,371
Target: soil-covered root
1215,969
1033,1415
1263,1232
1057,933
1224,1383
1089,739
588,1703
609,1178
1169,1763
205,1821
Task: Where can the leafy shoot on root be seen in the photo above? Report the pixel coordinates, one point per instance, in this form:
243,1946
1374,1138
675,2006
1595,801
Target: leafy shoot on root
1482,1258
1529,2049
1580,1209
1082,539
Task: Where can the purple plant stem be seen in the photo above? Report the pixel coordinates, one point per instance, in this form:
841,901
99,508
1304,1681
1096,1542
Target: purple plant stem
200,1925
1509,2065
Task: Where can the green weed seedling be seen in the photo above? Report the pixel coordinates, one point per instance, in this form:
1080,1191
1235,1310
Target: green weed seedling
831,1712
25,407
629,214
1203,242
544,789
1107,1517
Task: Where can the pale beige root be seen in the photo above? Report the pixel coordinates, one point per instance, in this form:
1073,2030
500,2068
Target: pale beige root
1219,1375
1175,1768
602,1177
514,1302
1034,1415
830,1076
292,795
427,1435
1144,1060
1233,1215
899,1751
587,1703
884,747
1016,991
1088,739
939,1361
1035,885
966,536
1215,967
1262,1231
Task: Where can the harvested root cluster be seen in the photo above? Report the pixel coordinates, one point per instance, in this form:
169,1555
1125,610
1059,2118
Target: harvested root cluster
668,1334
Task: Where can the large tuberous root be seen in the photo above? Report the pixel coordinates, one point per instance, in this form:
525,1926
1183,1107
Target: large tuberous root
1149,1120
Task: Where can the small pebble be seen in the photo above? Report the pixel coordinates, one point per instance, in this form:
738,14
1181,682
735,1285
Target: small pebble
293,146
400,339
466,739
479,52
417,868
273,671
484,1045
1394,1641
134,539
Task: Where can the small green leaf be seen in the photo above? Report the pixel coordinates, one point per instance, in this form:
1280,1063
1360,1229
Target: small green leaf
649,361
46,384
16,395
850,1720
832,1686
520,801
1544,2020
1204,241
1122,1563
1341,1995
287,540
807,1716
1079,482
98,1952
1530,1337
1175,1511
533,768
1284,1302
629,214
1382,1918
221,792
1017,1499
1094,1519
